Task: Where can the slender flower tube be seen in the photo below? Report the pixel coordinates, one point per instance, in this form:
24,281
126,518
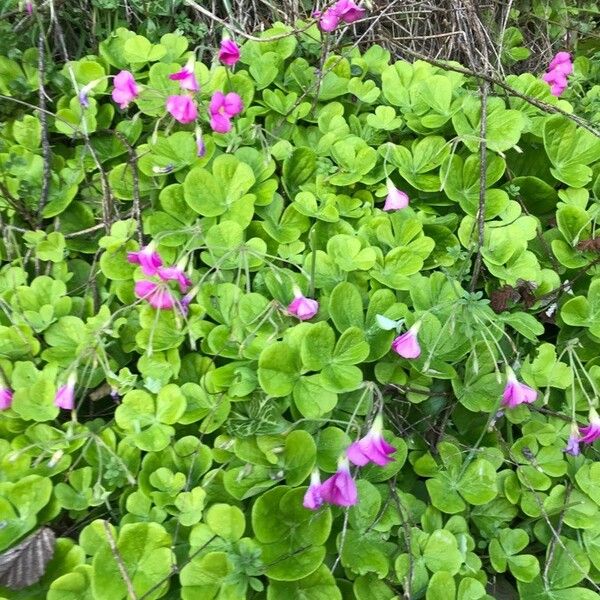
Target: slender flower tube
157,295
407,344
515,392
229,53
184,304
182,109
84,93
590,433
200,145
396,199
302,307
125,89
372,447
148,258
340,488
313,499
65,396
186,76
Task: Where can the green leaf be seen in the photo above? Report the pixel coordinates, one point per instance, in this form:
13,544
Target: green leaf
441,552
226,521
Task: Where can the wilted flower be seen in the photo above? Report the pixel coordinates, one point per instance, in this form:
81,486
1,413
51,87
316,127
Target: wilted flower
229,53
396,199
157,295
186,76
185,302
340,488
515,392
6,396
125,89
407,344
65,396
313,499
590,433
85,90
372,447
222,108
148,258
200,145
556,77
182,108
572,446
302,307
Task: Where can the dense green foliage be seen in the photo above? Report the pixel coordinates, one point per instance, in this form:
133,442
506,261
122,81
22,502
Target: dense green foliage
201,457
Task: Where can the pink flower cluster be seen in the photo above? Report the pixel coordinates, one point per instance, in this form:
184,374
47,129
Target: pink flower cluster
340,488
158,293
558,70
343,11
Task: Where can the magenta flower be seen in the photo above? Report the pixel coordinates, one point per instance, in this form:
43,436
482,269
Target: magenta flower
396,199
6,397
147,258
187,77
329,20
313,499
343,10
65,395
590,433
556,76
157,295
407,344
229,53
340,488
182,108
302,307
176,273
222,109
200,145
125,89
29,7
515,392
572,446
372,447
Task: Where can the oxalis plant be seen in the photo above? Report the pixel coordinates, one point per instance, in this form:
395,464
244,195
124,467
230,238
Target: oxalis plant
275,327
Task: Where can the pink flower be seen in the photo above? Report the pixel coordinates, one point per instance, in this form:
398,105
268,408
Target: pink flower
372,447
187,77
6,397
302,307
147,258
562,62
343,10
340,488
125,89
407,344
157,295
572,446
200,145
182,108
329,20
222,109
515,392
185,302
313,499
591,432
396,199
559,68
29,7
229,53
176,273
65,396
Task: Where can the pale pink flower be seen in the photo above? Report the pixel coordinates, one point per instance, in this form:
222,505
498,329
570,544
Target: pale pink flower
590,433
372,447
515,392
302,307
6,397
182,108
125,89
222,108
157,295
340,488
313,499
396,199
65,395
407,344
148,258
187,77
229,53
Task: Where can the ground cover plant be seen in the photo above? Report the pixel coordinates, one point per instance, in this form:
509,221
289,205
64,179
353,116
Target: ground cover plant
299,320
